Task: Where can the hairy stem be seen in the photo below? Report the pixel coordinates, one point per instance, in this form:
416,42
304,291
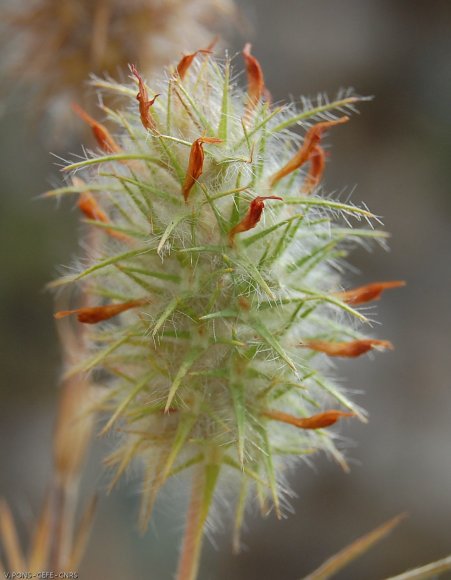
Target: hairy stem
192,540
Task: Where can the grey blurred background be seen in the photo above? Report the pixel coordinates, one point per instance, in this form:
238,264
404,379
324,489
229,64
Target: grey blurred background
397,152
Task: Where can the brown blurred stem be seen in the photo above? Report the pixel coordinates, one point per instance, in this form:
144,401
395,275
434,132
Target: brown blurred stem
71,438
192,540
64,501
99,34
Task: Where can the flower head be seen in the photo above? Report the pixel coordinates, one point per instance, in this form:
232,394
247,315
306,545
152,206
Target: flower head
215,319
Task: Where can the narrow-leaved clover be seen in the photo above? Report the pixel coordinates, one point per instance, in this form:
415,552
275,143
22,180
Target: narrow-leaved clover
215,295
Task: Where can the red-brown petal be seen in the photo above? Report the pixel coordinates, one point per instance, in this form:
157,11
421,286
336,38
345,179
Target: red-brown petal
368,292
317,164
145,103
90,208
95,314
318,421
311,141
187,60
255,80
349,349
100,132
88,205
196,164
252,217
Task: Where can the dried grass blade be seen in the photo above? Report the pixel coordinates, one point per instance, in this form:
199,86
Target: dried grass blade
344,557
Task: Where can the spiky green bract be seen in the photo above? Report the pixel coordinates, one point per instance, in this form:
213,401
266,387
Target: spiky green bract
219,343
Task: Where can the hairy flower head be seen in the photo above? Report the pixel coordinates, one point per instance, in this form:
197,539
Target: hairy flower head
216,295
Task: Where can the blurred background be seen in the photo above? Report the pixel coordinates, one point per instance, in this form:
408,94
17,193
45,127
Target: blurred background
397,155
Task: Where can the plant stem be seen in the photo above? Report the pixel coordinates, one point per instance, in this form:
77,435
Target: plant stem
63,518
192,540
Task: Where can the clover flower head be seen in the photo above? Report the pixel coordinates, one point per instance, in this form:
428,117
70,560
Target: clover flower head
216,281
